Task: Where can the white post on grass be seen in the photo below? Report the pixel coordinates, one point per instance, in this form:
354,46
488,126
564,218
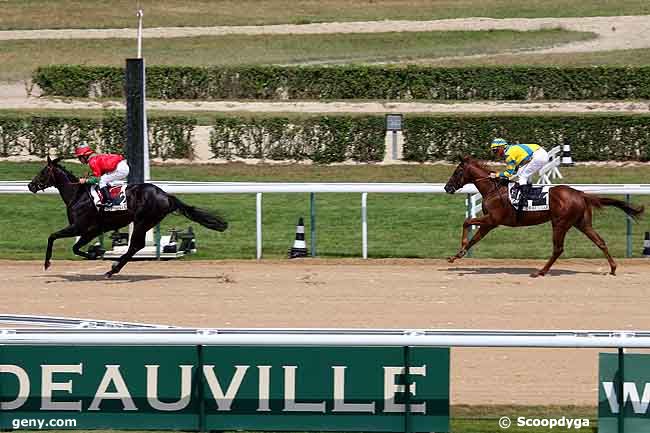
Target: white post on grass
258,224
364,225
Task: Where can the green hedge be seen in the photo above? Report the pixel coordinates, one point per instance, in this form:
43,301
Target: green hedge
592,138
324,139
327,139
354,82
169,137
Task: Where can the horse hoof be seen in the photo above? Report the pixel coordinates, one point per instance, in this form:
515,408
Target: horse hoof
46,265
537,274
108,275
451,259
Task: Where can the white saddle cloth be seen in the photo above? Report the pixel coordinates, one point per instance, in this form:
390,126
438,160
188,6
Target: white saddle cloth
96,195
540,203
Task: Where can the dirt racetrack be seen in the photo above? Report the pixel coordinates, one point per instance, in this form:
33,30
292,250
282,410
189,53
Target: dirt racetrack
348,293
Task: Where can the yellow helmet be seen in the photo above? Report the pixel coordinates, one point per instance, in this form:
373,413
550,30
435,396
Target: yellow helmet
498,142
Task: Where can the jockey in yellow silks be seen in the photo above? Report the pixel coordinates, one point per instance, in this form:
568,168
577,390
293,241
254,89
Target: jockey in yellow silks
522,159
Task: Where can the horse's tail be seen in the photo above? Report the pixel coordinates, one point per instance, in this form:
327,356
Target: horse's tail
205,218
598,202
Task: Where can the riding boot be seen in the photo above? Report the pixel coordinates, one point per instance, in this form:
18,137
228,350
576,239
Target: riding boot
523,197
106,196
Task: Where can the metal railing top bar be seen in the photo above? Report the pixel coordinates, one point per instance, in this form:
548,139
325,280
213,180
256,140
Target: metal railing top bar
67,322
19,187
329,337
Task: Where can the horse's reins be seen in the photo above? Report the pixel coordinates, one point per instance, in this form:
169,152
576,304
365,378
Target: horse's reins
496,189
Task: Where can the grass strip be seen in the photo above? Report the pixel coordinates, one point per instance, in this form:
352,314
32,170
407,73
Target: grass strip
276,49
45,14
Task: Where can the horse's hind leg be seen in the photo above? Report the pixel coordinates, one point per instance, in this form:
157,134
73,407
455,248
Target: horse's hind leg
589,231
136,243
559,233
83,240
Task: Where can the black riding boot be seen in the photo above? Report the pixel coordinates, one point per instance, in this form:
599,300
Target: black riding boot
523,197
106,196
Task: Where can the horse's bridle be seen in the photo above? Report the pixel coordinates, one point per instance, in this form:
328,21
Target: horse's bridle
41,186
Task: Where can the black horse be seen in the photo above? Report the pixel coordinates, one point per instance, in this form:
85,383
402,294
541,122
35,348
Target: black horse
146,203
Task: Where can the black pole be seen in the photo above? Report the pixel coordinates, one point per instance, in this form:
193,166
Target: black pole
620,390
135,133
407,389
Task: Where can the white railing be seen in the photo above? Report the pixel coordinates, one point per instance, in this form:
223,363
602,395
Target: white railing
259,188
329,337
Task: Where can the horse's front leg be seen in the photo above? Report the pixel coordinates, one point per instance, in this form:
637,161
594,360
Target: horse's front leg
67,232
465,243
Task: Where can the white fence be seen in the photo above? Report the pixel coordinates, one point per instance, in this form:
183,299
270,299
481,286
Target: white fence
329,337
259,188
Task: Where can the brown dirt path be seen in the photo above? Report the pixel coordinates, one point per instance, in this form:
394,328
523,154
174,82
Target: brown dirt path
485,294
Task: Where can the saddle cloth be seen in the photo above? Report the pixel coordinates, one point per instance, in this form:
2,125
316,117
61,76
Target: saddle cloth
537,200
116,191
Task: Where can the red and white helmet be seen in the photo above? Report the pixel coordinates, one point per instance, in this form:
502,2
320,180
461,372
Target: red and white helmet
83,150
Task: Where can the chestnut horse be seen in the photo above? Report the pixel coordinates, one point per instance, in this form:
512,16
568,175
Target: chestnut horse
568,208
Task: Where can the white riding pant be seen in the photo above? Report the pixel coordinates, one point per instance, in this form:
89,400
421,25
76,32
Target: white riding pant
115,177
537,162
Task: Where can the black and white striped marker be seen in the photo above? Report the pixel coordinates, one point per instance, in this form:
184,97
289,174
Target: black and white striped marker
646,245
299,248
566,160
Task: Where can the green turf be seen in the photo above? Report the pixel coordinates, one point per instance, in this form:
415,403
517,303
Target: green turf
400,225
28,14
274,49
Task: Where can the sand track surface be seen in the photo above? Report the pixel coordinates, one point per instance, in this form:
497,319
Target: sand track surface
476,294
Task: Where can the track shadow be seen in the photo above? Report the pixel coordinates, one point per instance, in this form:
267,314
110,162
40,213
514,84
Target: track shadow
517,271
126,278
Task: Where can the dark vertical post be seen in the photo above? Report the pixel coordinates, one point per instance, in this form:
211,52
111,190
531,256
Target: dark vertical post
407,389
157,240
628,219
312,222
135,120
619,390
201,389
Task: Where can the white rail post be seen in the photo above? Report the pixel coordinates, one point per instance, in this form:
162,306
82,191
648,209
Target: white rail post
364,224
258,224
140,14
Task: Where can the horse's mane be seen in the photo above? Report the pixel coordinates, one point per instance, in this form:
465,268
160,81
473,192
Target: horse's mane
68,173
477,163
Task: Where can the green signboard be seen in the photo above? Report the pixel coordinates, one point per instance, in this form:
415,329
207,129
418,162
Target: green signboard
218,388
633,391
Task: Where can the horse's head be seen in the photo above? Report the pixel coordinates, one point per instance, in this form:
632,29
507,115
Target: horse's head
460,177
45,178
